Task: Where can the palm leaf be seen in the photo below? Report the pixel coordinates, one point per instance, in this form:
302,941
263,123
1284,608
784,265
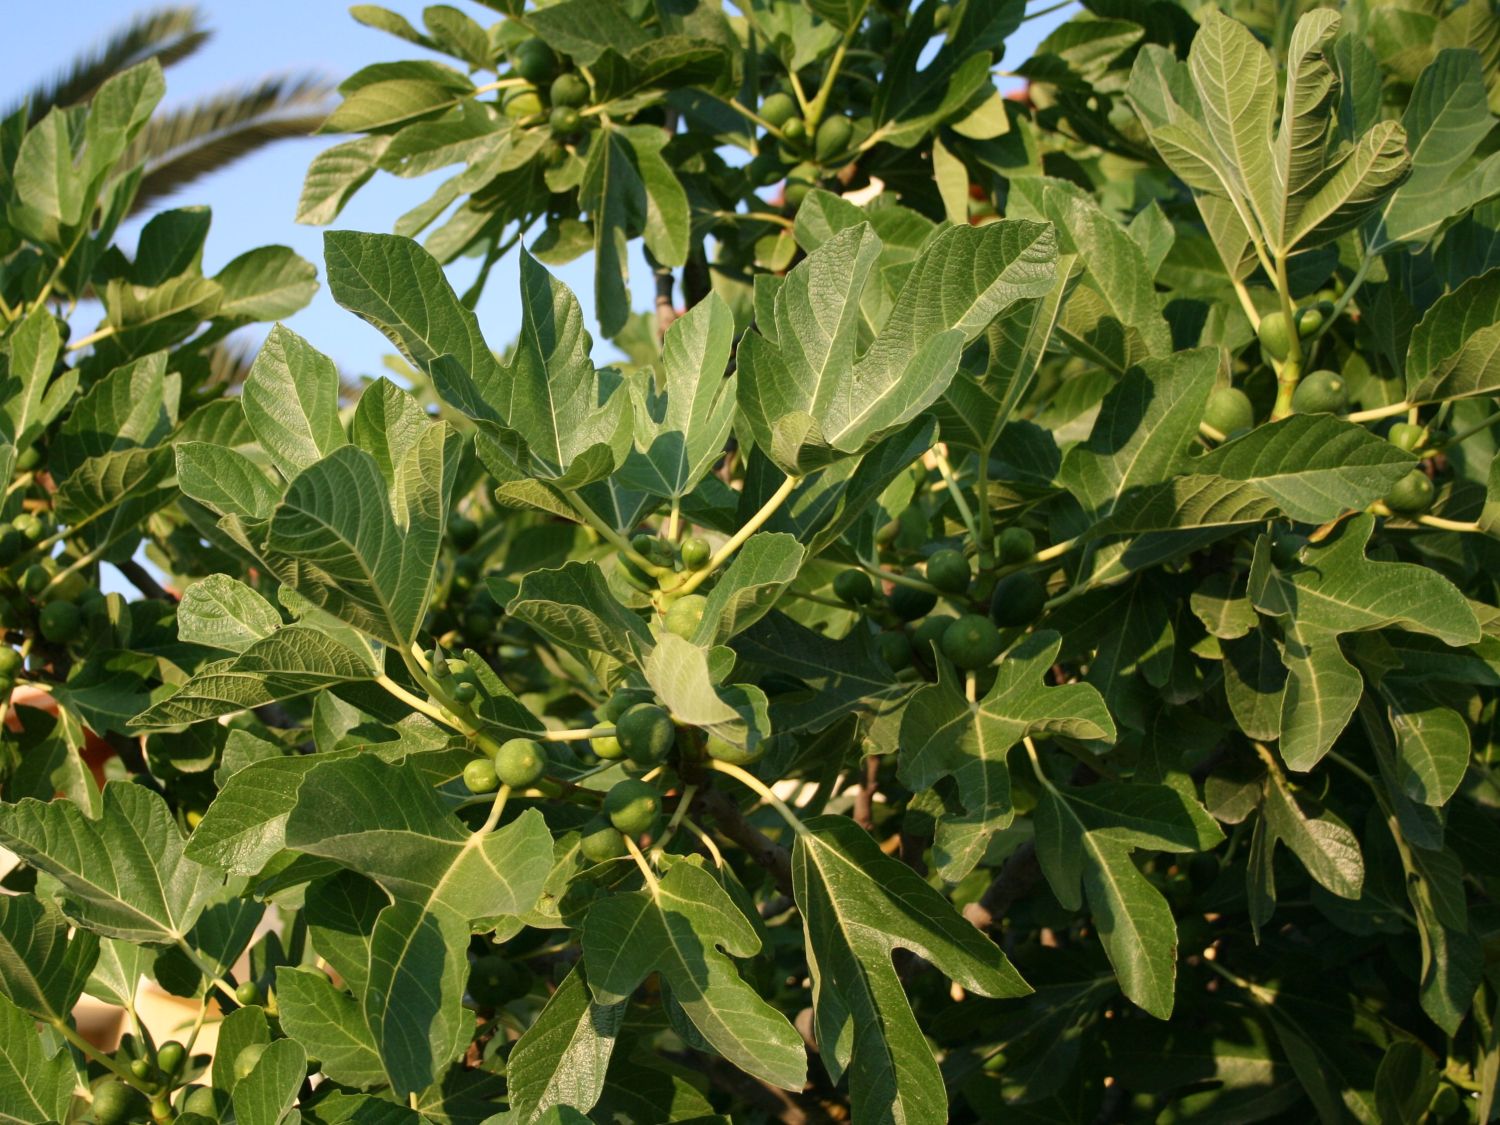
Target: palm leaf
165,34
229,363
183,144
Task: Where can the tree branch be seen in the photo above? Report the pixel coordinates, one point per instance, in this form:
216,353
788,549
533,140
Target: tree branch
139,577
781,1106
730,820
666,311
864,796
1018,876
697,282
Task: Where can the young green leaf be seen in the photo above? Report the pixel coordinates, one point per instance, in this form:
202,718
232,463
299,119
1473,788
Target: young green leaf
1452,353
549,413
628,188
224,480
387,822
683,418
1446,119
268,283
1087,836
679,672
1143,431
752,583
573,606
29,396
133,407
1111,314
1327,848
291,402
1314,466
365,553
223,613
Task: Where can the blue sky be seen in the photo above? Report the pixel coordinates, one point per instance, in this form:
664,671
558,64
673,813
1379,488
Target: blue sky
255,200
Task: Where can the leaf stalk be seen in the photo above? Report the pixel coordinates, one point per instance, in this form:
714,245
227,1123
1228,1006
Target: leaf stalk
738,539
761,789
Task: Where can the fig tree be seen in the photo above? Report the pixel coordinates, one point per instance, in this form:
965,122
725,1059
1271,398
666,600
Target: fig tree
1275,334
853,587
495,980
522,103
832,138
606,746
930,632
169,1056
200,1100
723,750
462,531
799,181
1016,544
116,1103
696,553
778,109
59,621
34,579
621,701
1406,435
895,649
30,525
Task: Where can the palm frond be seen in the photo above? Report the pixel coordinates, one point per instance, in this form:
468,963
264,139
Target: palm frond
167,34
183,144
230,361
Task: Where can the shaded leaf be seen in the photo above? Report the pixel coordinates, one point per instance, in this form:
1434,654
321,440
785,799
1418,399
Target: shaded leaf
1337,590
945,735
677,927
858,906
